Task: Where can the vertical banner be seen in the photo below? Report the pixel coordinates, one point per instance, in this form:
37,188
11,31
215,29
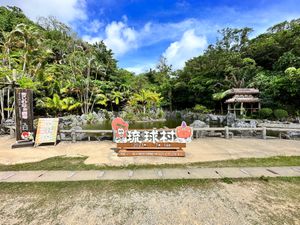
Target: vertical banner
24,114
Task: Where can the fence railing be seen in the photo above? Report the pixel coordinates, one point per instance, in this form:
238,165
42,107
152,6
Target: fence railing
226,131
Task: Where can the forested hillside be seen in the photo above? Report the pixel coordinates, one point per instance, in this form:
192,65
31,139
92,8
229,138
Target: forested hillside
270,62
69,75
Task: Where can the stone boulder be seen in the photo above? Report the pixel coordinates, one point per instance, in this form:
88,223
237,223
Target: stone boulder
245,124
79,136
9,122
293,134
229,119
199,124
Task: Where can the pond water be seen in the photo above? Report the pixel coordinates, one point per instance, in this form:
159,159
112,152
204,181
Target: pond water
106,125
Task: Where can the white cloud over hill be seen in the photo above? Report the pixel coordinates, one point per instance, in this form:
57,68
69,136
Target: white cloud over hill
190,45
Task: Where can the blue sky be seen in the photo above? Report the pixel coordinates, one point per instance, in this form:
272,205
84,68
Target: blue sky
140,31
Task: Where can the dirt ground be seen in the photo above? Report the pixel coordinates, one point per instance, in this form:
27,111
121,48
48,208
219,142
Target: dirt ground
215,202
199,150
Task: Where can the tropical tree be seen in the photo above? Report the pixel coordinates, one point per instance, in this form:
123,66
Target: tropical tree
146,98
58,105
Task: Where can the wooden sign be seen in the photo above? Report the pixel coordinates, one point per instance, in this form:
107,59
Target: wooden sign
172,149
161,142
24,114
46,131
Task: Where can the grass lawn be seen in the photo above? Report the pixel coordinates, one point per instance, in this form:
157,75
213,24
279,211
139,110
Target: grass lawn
77,163
121,186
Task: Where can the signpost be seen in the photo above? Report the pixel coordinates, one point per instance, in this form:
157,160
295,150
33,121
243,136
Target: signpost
162,142
46,131
24,117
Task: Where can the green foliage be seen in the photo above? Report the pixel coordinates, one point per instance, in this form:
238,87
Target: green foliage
57,105
201,109
220,95
26,82
265,113
70,75
160,114
146,99
280,114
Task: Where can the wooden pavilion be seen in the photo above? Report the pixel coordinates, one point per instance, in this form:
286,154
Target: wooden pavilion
243,100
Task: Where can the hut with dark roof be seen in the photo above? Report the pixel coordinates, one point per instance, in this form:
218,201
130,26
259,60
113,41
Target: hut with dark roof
243,100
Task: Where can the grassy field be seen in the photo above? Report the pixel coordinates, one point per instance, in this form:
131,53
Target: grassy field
242,201
119,186
77,163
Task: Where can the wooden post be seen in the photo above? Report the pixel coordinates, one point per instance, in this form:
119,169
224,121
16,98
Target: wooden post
264,133
12,132
226,132
242,109
234,109
73,134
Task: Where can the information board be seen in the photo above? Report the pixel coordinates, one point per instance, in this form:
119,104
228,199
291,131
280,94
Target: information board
46,131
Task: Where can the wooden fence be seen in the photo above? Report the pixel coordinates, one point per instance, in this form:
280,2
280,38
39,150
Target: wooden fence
227,132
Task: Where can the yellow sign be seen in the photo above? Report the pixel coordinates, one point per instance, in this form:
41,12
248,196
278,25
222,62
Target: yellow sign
46,131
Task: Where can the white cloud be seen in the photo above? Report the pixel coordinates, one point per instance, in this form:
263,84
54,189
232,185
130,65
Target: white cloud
120,37
140,68
190,45
153,33
64,10
94,26
91,39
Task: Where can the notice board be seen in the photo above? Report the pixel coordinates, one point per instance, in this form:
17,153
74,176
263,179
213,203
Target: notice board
46,131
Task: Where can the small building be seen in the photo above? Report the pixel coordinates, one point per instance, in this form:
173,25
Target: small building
243,100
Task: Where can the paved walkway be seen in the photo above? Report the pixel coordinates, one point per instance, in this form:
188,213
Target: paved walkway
199,150
149,174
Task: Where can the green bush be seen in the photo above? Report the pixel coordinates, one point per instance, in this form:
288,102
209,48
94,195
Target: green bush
90,118
201,109
265,113
160,114
130,116
178,115
280,114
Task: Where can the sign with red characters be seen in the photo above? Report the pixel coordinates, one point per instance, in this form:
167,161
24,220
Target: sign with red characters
122,134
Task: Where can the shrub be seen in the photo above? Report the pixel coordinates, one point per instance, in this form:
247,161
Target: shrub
130,116
178,115
201,109
265,113
280,114
91,118
160,114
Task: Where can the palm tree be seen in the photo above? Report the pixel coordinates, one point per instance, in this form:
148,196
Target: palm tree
30,39
115,97
58,105
99,99
146,98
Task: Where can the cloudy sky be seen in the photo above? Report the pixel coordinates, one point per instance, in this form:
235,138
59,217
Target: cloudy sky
140,31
